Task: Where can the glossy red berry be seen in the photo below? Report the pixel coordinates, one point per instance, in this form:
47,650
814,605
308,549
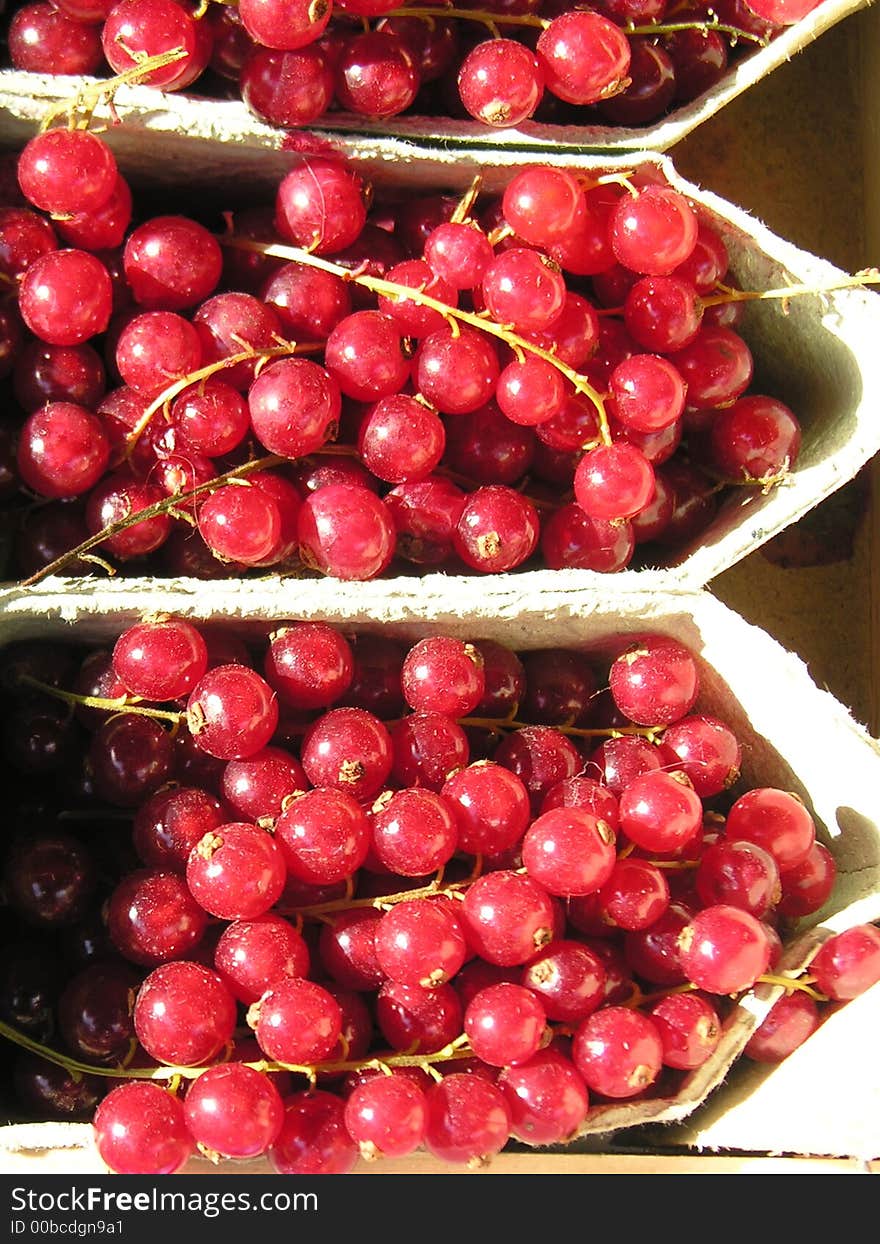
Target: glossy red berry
618,1051
724,949
140,1129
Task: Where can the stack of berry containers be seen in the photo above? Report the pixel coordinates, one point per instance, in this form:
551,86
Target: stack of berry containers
809,360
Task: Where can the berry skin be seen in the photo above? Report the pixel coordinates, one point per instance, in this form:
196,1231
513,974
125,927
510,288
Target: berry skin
618,1052
787,1025
309,664
386,1116
152,917
848,963
415,832
569,851
171,822
296,1021
504,1024
320,205
350,749
724,949
568,978
507,917
501,82
171,263
66,297
655,682
807,886
323,836
160,660
420,943
468,1119
654,232
583,55
313,1139
660,811
140,1129
236,872
252,954
63,450
65,171
411,1017
184,1014
547,1098
234,1111
689,1028
775,820
232,712
491,808
497,531
443,675
346,532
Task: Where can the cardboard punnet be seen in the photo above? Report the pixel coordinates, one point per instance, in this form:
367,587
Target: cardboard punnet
815,352
793,736
24,95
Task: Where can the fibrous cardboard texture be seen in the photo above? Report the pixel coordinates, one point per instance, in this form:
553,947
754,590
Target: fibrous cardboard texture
21,94
793,736
815,352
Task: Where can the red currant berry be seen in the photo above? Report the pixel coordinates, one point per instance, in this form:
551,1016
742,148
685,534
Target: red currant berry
848,963
296,1021
468,1119
689,1028
547,1099
323,835
232,712
236,872
184,1014
775,820
618,1051
140,1129
314,1139
569,851
786,1026
724,949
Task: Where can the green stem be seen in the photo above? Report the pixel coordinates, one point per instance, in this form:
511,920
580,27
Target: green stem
151,511
455,1049
285,349
389,289
121,705
867,276
605,732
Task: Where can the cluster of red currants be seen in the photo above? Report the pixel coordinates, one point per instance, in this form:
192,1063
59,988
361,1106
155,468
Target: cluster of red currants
621,62
551,377
364,907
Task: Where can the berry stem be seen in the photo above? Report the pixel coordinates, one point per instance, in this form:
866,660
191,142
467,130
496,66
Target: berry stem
151,511
382,901
484,16
604,732
389,289
283,350
790,984
711,22
80,108
455,1049
866,276
120,705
